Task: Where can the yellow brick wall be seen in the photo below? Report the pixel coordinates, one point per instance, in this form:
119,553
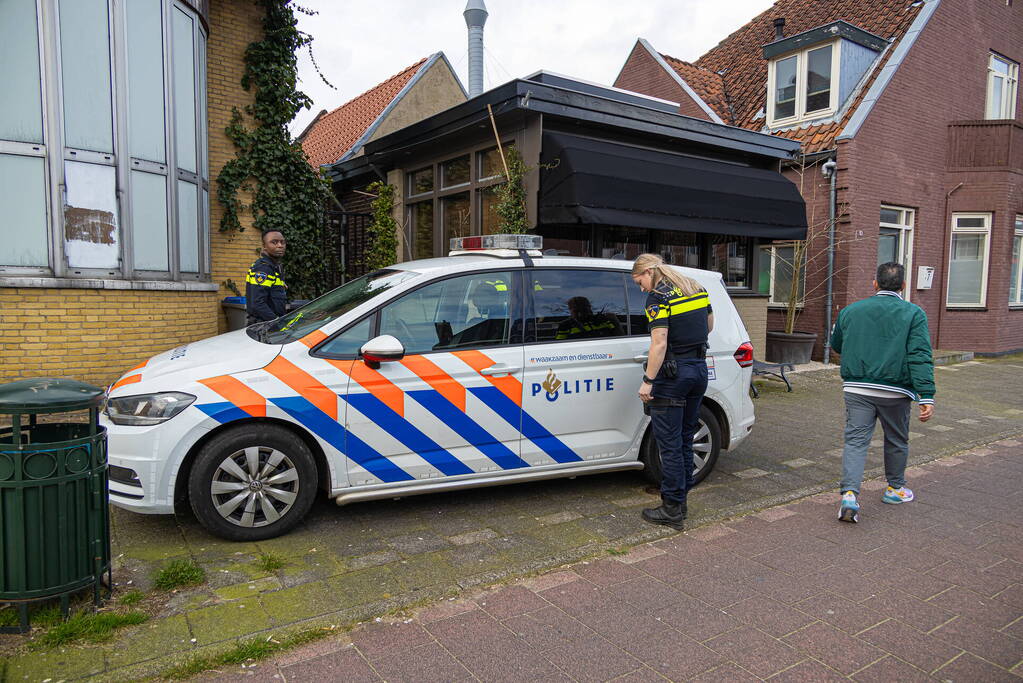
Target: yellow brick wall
93,335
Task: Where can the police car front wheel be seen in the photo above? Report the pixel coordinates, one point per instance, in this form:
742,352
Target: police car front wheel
706,446
252,483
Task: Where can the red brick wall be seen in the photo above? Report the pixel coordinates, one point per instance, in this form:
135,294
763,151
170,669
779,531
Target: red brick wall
899,156
643,74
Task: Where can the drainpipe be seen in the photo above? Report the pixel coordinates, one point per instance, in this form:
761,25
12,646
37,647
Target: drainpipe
830,170
943,290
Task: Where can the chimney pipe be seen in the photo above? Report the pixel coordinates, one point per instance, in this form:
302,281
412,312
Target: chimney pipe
779,28
475,17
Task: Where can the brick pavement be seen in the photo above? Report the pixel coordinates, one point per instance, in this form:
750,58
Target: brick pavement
932,590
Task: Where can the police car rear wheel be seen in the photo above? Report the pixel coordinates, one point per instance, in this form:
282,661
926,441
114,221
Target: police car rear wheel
252,483
706,446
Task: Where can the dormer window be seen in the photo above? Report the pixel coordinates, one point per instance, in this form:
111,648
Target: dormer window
801,85
810,75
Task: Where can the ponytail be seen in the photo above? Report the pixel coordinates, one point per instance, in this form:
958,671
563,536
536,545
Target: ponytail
685,284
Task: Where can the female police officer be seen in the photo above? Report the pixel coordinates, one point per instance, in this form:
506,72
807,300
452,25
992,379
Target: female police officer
679,317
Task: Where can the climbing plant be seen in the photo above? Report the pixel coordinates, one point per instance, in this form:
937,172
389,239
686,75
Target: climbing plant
383,231
511,196
287,194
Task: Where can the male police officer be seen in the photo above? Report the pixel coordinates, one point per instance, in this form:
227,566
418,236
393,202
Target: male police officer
266,295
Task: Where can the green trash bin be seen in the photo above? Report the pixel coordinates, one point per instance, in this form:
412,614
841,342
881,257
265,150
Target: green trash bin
54,517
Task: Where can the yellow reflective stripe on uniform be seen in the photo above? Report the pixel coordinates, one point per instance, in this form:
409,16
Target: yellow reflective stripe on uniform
662,314
268,281
690,305
497,284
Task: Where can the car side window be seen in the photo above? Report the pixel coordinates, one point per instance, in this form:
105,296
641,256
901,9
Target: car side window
469,311
349,342
577,304
637,309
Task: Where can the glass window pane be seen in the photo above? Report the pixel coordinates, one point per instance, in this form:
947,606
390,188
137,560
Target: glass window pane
23,198
625,243
974,222
966,268
462,312
203,123
566,240
764,270
85,72
893,216
91,235
420,181
679,248
728,256
999,65
995,109
1015,286
784,261
455,210
455,172
490,222
491,165
149,221
204,228
188,227
421,215
349,342
818,79
183,58
145,80
573,304
785,87
888,246
20,116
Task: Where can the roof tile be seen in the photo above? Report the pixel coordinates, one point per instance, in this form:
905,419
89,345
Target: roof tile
333,134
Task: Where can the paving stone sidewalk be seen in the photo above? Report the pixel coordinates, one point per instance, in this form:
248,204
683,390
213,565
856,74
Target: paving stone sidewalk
931,590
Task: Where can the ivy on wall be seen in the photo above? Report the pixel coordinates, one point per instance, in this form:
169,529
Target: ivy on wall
287,193
511,196
382,233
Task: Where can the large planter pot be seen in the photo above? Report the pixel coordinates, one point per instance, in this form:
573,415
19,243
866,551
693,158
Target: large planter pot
792,348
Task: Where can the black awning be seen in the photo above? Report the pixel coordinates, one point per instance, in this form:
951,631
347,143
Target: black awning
583,180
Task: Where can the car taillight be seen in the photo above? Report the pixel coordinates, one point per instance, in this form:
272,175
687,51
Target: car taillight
744,355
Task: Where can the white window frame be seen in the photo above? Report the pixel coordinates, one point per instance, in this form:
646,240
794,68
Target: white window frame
801,66
54,152
1017,236
905,249
986,231
770,251
1006,108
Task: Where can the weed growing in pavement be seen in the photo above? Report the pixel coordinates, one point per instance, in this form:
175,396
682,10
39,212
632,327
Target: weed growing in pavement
252,649
94,627
179,573
618,551
270,562
132,597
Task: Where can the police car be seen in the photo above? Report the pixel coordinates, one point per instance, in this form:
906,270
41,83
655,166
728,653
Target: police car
495,365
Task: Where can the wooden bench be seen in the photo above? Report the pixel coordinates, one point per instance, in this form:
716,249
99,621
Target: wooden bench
761,368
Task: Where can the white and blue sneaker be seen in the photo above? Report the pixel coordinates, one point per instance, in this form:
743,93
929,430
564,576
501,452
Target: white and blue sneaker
849,511
896,496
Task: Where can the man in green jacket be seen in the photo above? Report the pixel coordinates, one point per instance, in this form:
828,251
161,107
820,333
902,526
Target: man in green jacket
886,365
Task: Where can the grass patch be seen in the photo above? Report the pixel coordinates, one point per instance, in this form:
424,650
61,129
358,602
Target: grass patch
179,573
132,597
270,562
94,627
252,649
618,551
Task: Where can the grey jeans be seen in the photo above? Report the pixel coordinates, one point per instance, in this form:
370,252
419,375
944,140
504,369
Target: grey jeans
861,413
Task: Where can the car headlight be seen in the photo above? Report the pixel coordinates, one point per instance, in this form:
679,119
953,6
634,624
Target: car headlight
147,409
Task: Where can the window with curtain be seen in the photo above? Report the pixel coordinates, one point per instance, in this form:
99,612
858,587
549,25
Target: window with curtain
1002,80
777,265
1016,269
968,255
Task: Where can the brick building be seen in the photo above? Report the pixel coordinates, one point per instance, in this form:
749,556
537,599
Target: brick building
110,136
916,106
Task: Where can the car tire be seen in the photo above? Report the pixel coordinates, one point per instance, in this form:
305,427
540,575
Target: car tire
252,483
706,446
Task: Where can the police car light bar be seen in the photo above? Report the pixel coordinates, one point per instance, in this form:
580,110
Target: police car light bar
481,242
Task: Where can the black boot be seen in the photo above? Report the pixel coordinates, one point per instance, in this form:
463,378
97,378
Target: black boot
669,514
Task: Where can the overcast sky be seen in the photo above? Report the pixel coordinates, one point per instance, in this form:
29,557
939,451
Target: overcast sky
359,43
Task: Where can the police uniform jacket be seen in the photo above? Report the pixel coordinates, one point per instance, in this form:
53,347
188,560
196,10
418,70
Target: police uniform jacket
684,316
266,295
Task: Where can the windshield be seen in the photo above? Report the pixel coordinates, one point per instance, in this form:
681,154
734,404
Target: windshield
318,312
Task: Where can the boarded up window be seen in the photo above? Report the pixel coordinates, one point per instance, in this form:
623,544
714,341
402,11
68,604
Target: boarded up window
90,216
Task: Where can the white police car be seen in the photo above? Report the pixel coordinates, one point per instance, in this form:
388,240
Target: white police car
494,365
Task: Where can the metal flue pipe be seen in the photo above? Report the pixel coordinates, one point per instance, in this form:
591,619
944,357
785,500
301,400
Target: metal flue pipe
475,17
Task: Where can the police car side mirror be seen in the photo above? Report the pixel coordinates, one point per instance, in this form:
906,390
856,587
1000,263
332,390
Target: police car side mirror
381,350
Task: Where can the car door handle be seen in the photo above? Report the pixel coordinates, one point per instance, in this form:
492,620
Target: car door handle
499,369
639,359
